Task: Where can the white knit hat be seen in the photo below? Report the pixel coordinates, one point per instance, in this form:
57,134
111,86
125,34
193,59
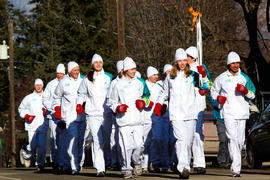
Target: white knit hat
180,54
129,63
96,57
138,74
192,51
232,58
119,66
71,65
167,67
151,71
38,81
60,68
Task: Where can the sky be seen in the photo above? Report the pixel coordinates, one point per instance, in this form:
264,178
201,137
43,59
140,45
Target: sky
21,4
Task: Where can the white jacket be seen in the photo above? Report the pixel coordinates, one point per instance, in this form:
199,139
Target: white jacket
65,95
32,105
95,93
200,100
236,105
182,93
127,91
155,89
47,96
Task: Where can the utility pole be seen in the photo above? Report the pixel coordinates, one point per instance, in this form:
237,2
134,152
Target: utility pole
121,29
12,94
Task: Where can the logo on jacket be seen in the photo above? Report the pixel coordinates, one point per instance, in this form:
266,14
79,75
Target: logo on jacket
67,85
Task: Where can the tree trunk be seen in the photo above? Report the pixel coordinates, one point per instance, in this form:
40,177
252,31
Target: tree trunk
255,59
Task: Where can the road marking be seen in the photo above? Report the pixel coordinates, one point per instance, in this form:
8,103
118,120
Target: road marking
9,178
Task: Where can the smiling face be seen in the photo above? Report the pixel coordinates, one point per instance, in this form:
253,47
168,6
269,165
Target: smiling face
182,63
234,67
75,72
38,88
59,76
153,78
130,73
98,65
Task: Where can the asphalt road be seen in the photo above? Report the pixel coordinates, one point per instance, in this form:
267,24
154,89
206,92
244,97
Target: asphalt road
89,173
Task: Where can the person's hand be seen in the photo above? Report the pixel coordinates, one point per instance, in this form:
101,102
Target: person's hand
203,92
44,111
221,99
57,113
201,70
79,109
122,108
157,109
241,88
29,118
140,104
151,104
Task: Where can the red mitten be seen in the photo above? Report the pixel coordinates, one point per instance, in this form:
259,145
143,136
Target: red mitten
122,108
140,104
79,109
44,111
29,118
57,113
221,99
241,88
157,109
201,70
203,92
163,109
151,104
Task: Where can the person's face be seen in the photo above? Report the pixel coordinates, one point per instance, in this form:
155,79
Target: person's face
131,73
153,78
234,67
59,76
191,60
182,63
75,72
38,88
98,65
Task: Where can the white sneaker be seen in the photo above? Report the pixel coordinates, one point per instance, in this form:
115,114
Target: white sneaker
137,170
128,175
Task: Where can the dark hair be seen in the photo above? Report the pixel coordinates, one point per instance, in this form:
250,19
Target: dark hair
90,75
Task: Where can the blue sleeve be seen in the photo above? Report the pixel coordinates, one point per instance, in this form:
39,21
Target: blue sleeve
146,92
213,102
249,85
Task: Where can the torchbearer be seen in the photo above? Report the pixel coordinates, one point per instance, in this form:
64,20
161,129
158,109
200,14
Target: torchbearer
180,85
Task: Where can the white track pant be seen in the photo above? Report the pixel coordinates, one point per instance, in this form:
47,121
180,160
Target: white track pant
146,144
198,143
99,136
184,133
53,142
75,139
235,131
131,142
37,141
